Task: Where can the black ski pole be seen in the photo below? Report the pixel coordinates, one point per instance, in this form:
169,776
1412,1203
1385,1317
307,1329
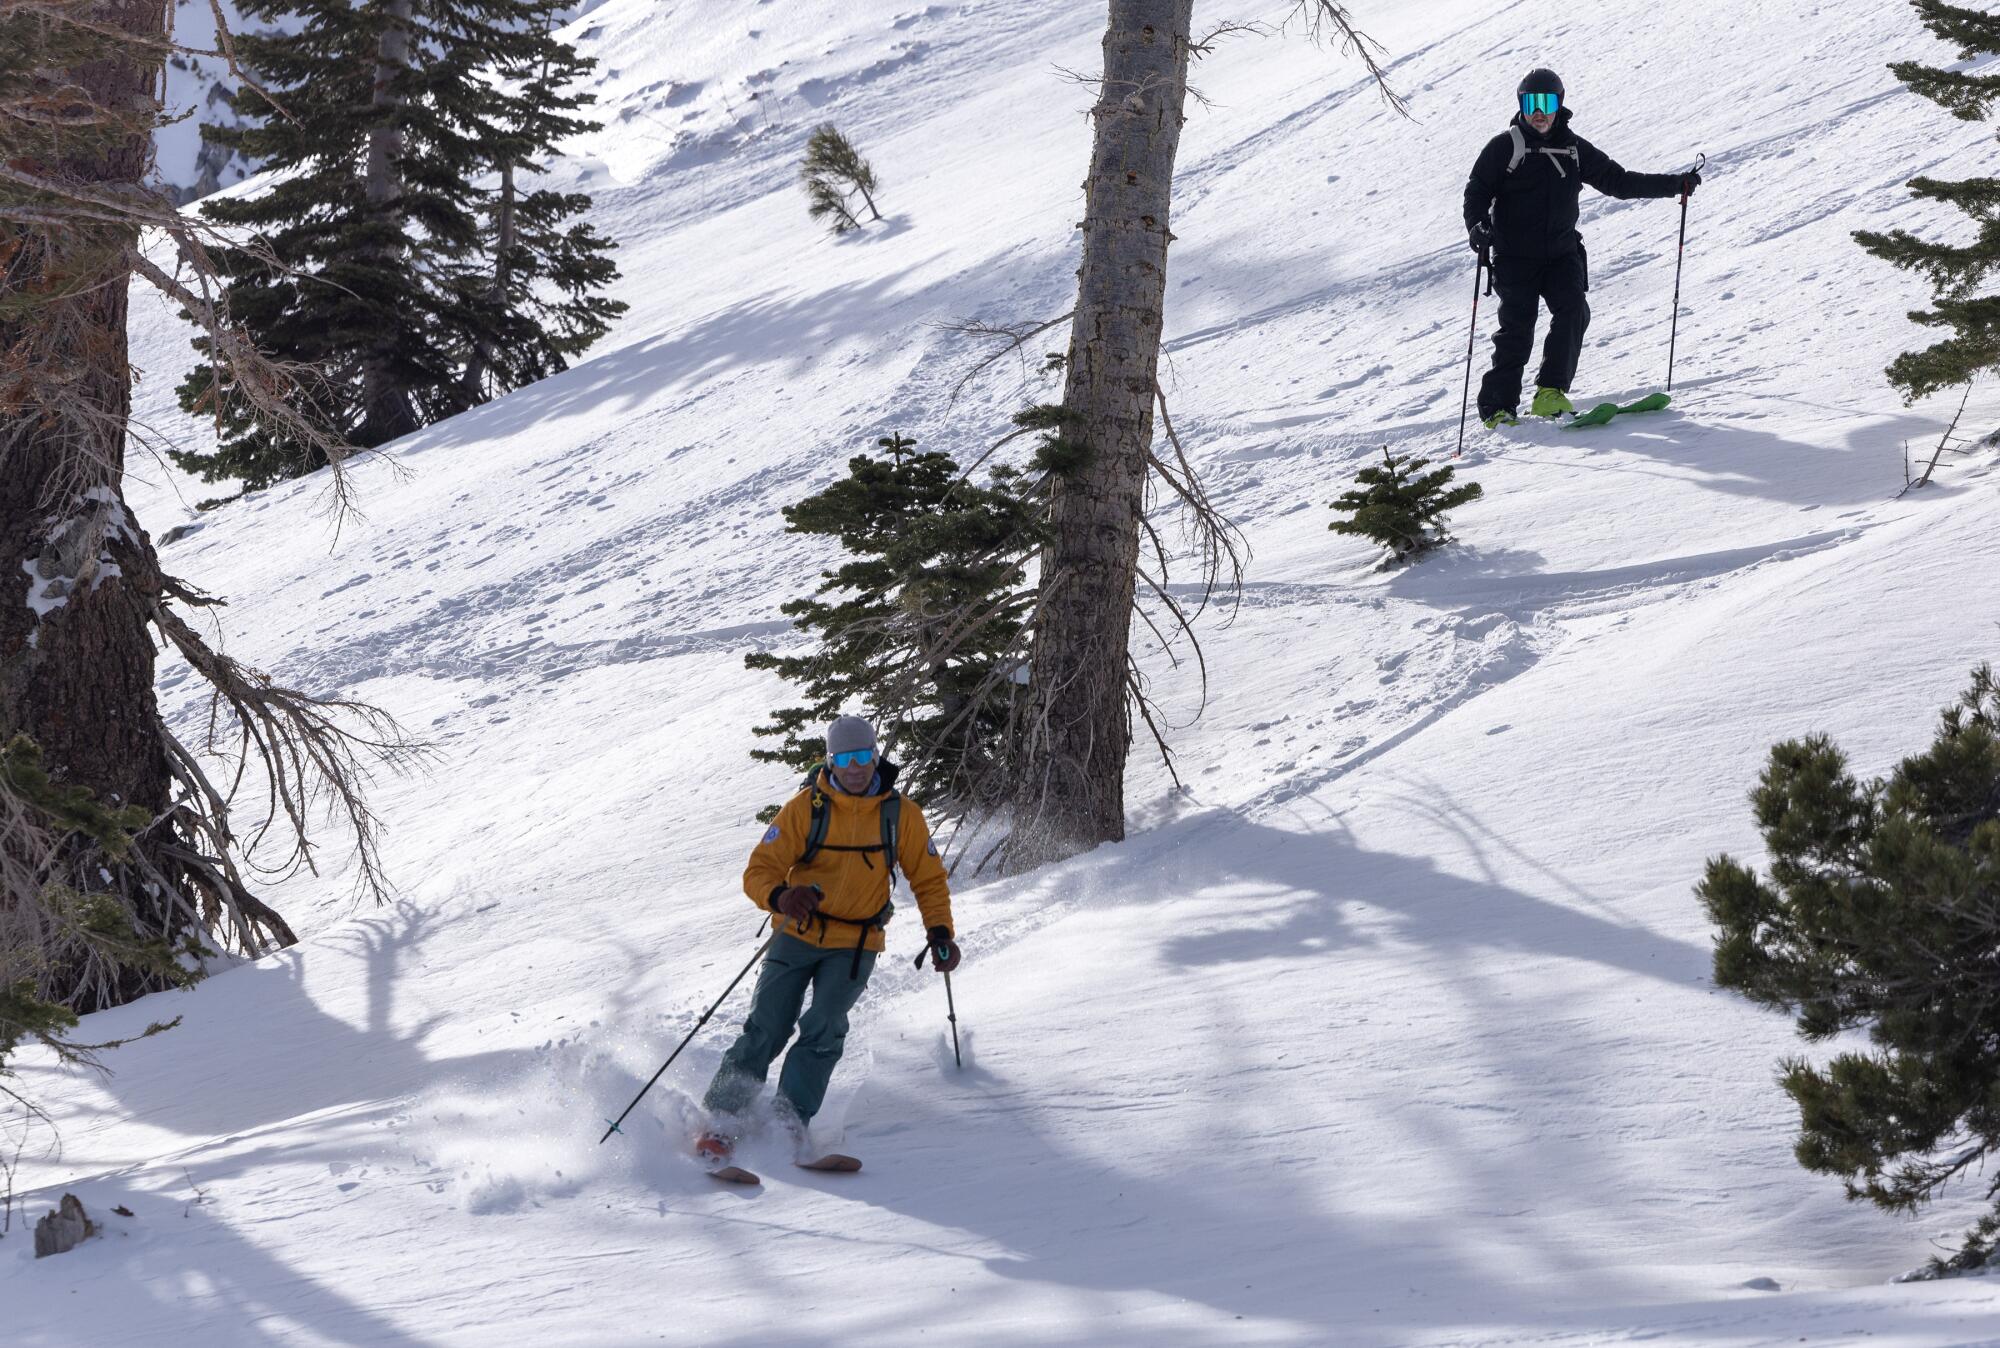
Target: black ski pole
1673,336
951,1007
1485,264
690,1036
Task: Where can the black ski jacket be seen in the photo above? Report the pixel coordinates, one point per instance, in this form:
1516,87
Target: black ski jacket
1534,207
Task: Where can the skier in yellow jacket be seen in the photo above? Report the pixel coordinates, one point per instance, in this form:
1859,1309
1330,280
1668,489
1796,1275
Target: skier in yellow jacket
830,898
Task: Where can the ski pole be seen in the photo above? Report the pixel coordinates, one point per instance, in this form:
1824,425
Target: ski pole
1680,254
951,1009
1482,263
950,1006
690,1036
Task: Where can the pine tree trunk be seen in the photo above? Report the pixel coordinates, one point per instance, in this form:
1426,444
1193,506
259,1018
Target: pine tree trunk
387,412
78,577
1072,783
505,230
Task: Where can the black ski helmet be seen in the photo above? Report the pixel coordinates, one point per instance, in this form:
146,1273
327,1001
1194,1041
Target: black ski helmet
1540,80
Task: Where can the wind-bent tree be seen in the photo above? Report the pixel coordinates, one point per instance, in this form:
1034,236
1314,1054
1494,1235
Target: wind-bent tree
1084,690
119,864
832,172
1970,320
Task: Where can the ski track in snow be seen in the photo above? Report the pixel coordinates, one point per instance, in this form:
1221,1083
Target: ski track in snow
1409,967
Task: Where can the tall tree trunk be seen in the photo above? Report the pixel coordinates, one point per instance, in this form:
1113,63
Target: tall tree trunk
387,412
77,575
505,231
1072,783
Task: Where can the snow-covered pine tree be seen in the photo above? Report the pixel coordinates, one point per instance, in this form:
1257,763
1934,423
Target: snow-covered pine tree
832,172
382,259
1401,506
1955,271
1880,914
923,624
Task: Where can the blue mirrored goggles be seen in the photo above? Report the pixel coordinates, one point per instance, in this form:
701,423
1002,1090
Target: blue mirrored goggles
1545,104
853,758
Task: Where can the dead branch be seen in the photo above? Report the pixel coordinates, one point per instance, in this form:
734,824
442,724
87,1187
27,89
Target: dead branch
1944,442
1014,336
1320,15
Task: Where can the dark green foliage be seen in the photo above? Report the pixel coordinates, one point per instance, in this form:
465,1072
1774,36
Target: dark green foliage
69,808
922,624
1881,912
1059,450
422,282
833,171
1955,271
1401,506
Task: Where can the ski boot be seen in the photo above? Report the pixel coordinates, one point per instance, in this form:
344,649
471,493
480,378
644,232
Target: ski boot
1504,417
1551,402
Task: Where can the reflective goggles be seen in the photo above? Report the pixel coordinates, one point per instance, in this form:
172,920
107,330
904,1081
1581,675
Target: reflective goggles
853,758
1545,104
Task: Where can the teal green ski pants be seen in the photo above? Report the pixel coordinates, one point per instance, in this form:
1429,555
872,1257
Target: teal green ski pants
791,968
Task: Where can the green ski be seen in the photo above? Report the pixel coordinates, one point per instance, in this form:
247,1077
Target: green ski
1603,412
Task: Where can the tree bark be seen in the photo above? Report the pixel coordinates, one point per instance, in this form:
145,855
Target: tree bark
1072,783
387,411
78,577
76,660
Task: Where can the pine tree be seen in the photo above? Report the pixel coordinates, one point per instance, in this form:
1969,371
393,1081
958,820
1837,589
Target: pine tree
1955,271
923,624
832,173
542,304
380,257
1401,506
1880,914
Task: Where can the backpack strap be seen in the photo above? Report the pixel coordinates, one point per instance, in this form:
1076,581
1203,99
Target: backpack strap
822,811
892,818
1556,156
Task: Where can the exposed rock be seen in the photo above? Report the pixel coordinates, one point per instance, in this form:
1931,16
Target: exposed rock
64,1229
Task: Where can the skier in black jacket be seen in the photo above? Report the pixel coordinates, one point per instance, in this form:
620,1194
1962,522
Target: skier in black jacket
1521,203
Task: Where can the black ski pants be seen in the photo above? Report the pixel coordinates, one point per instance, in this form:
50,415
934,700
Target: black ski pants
1524,284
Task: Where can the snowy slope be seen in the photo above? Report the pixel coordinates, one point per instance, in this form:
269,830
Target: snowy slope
1395,1027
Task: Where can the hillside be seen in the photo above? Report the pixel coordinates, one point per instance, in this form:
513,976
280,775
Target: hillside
1394,1026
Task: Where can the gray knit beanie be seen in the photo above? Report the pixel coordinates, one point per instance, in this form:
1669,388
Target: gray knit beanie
849,733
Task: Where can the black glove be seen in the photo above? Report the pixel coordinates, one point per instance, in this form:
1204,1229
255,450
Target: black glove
1480,236
797,902
941,948
1689,181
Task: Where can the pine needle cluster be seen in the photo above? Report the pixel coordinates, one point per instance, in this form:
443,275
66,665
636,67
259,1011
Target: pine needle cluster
1956,272
1881,913
1402,507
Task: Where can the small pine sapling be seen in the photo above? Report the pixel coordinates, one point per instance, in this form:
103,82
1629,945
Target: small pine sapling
1880,914
1401,506
832,173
